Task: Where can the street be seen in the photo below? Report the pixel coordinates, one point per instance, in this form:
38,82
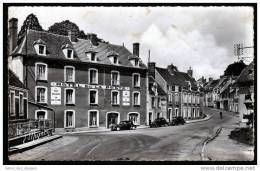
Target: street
173,143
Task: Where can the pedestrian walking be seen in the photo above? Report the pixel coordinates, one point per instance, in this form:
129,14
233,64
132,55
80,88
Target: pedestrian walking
220,114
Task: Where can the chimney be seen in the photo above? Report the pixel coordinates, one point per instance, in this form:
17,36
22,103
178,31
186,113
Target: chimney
136,49
190,72
151,69
12,34
72,35
93,38
171,69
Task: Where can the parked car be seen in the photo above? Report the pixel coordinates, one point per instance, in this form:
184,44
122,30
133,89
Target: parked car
177,120
158,122
123,125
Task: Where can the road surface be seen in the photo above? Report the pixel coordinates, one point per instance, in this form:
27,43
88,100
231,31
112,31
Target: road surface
173,143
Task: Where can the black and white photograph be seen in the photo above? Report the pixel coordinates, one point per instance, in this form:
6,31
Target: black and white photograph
129,83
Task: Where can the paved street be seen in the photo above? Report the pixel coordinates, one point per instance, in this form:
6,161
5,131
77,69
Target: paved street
167,143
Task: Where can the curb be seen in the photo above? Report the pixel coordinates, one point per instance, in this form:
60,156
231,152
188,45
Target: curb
206,141
208,117
19,150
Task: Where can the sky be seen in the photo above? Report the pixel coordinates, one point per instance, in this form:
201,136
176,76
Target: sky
202,38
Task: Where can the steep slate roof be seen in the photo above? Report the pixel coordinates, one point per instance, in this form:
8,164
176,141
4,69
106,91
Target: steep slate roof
245,75
211,85
103,50
178,78
54,44
14,80
159,88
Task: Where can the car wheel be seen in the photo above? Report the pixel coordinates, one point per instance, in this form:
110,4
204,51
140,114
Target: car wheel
118,129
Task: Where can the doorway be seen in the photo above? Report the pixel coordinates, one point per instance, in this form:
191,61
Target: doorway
112,118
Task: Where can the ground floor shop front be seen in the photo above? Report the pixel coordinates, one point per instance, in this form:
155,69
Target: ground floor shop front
70,117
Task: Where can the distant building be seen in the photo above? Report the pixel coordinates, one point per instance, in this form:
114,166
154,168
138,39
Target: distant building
18,100
245,83
183,95
157,101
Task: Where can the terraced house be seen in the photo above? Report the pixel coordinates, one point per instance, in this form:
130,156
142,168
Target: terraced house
183,95
88,83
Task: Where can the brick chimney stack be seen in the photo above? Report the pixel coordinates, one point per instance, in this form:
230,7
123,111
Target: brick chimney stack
93,38
72,36
151,69
136,49
190,72
13,27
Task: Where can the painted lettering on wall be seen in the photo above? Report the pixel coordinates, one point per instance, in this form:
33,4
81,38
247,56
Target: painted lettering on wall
76,85
55,95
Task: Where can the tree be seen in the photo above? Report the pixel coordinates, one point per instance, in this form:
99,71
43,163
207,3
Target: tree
235,69
63,27
31,22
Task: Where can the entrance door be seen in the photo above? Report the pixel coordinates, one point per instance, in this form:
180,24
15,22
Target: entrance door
134,118
194,112
150,117
93,119
112,118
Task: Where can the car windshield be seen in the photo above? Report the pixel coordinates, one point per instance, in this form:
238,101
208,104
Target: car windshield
123,122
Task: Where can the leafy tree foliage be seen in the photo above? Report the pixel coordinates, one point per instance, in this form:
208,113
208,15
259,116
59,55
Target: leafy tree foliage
235,69
63,27
31,22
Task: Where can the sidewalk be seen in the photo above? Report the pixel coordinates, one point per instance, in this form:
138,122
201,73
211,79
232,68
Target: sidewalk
89,130
103,129
222,148
26,146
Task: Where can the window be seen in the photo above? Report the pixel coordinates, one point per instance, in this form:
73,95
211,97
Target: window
69,96
12,103
92,57
136,98
153,102
115,60
41,114
176,98
69,119
93,118
69,74
176,112
93,95
134,117
176,88
169,113
170,98
115,98
69,53
136,80
41,71
115,78
21,105
41,94
159,102
93,76
137,62
41,49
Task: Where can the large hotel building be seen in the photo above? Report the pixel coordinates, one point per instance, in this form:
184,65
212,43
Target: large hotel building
84,83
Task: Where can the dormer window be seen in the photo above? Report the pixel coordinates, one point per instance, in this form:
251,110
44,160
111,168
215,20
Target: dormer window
134,60
40,47
113,57
68,51
115,60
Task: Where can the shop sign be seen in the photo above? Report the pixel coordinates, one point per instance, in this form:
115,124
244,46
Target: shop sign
126,98
76,85
55,95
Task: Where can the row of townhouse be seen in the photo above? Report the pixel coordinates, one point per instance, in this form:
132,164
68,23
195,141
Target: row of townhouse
182,93
231,92
87,83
